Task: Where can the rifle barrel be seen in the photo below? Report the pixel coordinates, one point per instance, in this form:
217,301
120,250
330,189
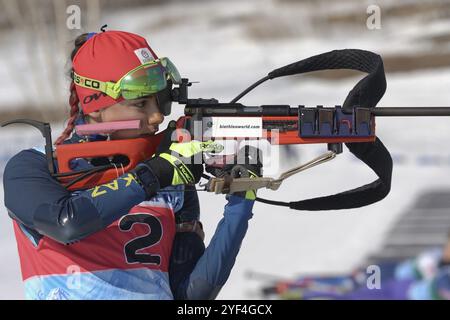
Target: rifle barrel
230,109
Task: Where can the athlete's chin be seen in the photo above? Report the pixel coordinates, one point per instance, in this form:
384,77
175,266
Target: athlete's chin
150,133
129,134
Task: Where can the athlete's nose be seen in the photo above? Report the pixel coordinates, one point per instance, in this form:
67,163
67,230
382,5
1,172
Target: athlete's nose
155,118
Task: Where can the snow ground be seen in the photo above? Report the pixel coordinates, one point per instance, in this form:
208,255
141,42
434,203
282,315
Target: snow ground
282,242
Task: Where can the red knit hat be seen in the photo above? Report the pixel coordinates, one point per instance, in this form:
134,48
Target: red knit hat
108,56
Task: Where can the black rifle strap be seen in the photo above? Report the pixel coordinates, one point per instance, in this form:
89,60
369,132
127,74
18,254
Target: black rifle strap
366,93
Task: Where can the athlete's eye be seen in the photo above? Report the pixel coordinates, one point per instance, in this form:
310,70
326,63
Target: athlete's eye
140,104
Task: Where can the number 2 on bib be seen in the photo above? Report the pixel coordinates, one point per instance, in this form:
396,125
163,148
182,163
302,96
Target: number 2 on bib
146,241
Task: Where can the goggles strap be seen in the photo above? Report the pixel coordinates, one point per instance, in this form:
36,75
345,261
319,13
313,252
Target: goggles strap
111,89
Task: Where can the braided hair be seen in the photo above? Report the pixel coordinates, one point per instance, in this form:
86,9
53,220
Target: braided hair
73,97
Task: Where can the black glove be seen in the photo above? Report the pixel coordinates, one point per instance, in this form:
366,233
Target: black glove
173,163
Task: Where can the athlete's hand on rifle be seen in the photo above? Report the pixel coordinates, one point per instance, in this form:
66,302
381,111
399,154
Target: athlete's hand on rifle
181,163
246,163
174,164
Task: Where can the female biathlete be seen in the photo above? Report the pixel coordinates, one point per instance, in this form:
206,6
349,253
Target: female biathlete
130,239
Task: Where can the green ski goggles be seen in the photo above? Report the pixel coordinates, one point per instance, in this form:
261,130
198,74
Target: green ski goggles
144,80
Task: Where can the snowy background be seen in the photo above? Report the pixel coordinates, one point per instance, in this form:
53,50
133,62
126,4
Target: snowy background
226,46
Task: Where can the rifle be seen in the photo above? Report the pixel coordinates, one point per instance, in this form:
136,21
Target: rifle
353,123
